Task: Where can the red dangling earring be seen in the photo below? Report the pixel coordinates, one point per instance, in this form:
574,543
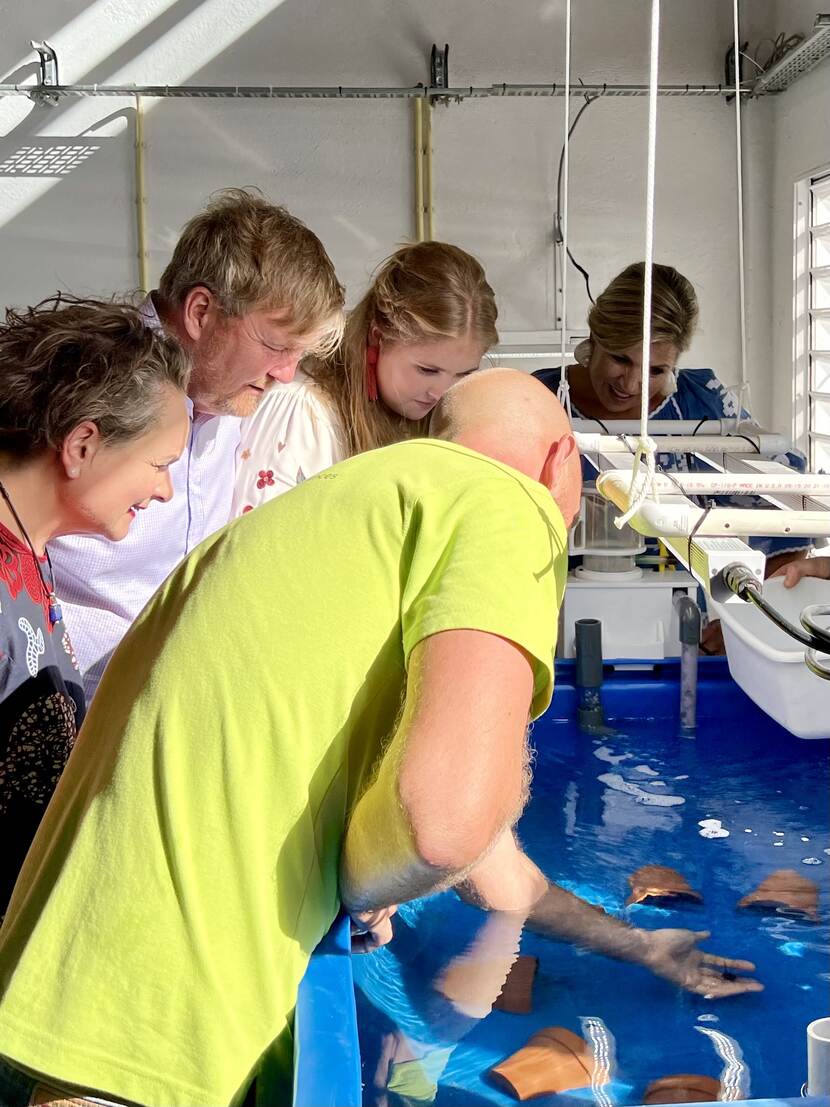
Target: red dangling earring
372,373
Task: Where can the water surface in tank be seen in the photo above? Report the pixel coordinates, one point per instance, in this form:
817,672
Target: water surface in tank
726,809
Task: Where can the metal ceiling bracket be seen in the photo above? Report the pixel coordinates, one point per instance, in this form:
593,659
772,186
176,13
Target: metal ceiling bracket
439,72
42,93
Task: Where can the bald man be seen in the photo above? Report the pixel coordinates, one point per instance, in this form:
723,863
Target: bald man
403,604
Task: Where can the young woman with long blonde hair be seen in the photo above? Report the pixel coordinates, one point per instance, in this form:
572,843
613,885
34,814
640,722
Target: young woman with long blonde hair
427,319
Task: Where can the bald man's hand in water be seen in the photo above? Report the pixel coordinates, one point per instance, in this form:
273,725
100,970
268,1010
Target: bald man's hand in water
507,880
674,955
372,929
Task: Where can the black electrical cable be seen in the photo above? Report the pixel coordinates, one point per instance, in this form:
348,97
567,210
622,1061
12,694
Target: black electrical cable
557,230
584,273
746,438
735,434
695,529
740,580
814,641
808,620
694,432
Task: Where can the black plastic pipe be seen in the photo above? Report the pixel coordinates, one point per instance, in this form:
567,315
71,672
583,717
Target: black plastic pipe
589,713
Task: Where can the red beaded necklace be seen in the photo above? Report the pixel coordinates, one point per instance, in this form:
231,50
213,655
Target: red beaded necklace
55,613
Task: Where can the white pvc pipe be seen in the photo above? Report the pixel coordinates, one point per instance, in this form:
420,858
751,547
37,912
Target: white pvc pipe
679,521
142,252
818,1057
666,426
429,197
681,444
651,160
740,191
678,517
644,464
720,484
564,396
419,169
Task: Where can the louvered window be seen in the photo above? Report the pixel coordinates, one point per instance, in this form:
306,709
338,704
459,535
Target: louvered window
818,295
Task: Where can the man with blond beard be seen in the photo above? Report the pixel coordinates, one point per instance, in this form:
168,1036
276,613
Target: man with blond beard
248,292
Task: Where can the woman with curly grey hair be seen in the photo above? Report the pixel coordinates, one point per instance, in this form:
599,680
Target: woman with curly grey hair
92,414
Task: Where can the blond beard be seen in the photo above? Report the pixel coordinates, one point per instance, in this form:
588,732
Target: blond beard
206,382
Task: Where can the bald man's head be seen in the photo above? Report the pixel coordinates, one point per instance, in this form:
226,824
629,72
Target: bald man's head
510,416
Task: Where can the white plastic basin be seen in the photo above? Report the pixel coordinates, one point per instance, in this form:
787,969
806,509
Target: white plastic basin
769,665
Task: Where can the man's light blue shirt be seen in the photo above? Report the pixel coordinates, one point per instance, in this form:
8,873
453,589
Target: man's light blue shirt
103,585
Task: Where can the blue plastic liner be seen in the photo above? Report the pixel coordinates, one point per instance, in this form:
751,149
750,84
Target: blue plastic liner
326,1050
327,1053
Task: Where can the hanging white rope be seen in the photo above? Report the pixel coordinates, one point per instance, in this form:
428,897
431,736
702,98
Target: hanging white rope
642,473
564,392
743,391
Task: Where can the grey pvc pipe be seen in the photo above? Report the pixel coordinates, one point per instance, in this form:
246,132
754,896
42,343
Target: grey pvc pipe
588,653
588,678
688,614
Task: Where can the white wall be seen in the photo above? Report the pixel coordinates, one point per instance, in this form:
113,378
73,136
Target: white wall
346,167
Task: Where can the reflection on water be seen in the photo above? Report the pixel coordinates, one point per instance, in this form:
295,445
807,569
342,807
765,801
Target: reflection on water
435,994
734,1076
603,1047
601,809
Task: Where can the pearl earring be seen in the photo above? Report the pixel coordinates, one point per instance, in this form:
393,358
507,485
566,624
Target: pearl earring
74,472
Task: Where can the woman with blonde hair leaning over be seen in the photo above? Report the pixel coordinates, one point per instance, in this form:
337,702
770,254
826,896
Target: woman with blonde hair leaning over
427,319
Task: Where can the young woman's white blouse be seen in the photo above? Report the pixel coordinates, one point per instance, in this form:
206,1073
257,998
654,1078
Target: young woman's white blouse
293,434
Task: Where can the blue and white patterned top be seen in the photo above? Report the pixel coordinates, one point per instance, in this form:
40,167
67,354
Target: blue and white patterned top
700,395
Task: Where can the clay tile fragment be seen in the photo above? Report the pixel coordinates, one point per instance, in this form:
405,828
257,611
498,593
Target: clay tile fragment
785,888
656,882
554,1060
683,1087
517,993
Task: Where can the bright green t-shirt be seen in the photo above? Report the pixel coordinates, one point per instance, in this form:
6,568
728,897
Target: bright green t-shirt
187,865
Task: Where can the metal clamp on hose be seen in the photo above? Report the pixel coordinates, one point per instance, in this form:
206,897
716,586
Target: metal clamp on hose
808,621
818,665
741,580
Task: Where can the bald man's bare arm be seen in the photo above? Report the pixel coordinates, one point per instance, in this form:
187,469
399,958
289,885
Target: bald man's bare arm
507,880
452,777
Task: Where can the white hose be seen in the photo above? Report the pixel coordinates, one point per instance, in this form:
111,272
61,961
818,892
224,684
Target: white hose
644,461
564,392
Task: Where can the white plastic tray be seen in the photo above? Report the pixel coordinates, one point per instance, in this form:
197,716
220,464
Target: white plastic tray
769,665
